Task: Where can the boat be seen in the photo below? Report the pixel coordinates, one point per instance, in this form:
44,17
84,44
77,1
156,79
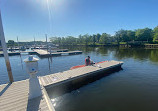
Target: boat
79,66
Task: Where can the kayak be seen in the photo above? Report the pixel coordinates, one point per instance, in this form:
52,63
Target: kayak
79,66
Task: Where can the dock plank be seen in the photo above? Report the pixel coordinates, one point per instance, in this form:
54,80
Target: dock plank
44,53
14,97
54,77
75,73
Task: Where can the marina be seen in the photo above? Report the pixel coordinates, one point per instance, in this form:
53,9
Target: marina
45,53
124,83
70,55
18,91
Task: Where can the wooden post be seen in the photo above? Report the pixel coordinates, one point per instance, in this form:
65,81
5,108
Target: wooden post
18,43
46,43
34,43
4,47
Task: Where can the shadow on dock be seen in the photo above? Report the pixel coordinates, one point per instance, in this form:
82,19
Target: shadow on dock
33,104
77,83
5,88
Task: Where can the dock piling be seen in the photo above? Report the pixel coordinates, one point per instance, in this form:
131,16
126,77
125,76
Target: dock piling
4,46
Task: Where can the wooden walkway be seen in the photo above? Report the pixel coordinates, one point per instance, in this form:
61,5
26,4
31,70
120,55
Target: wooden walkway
44,53
62,77
14,97
10,54
17,53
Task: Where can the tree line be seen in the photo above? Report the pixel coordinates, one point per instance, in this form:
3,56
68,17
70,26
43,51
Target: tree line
11,43
145,35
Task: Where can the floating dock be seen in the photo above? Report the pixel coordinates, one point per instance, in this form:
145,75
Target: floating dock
44,53
10,54
60,50
18,53
75,78
14,97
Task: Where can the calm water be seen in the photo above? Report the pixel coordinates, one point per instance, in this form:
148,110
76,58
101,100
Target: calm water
135,88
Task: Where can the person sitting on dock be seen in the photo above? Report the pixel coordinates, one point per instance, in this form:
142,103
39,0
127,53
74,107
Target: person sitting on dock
88,61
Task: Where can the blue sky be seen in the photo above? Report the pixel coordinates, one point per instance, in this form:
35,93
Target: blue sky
30,18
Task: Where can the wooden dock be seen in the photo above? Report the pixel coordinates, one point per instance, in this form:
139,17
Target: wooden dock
10,54
14,97
60,50
17,53
44,53
62,77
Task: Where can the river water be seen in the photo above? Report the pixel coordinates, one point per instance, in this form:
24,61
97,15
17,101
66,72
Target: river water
135,88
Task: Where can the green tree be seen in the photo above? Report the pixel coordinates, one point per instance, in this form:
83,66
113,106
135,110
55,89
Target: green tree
11,42
63,41
86,39
121,36
94,39
111,39
155,34
81,39
70,40
144,34
125,35
98,37
131,35
55,40
117,37
104,38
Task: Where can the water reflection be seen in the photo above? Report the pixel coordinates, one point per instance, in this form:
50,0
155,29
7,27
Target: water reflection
133,89
138,54
61,63
154,56
121,53
21,62
50,61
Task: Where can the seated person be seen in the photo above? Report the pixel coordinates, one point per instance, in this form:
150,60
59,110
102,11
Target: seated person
88,61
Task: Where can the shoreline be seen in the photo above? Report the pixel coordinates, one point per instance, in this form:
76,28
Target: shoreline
120,45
